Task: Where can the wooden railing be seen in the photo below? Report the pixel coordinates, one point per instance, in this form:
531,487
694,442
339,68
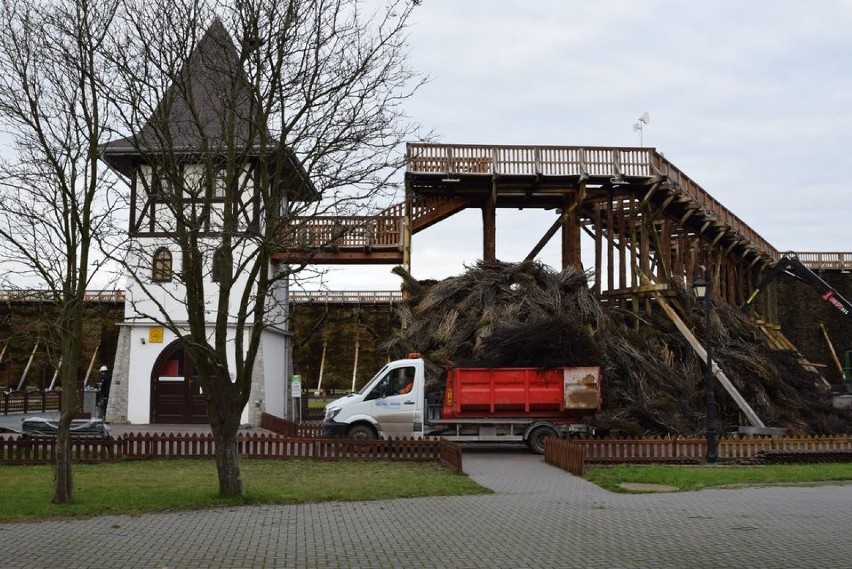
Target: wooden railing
572,455
826,261
345,296
347,232
137,446
613,164
288,428
381,231
448,454
41,295
565,454
529,160
31,401
694,450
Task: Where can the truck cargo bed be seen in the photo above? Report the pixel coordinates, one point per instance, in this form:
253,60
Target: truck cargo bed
505,393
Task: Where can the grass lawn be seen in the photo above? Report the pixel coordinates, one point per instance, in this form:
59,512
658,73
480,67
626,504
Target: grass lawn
146,486
699,477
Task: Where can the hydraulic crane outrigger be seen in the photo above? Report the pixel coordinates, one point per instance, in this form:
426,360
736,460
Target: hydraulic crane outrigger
790,264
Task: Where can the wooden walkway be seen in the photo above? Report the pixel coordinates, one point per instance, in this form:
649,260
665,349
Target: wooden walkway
647,219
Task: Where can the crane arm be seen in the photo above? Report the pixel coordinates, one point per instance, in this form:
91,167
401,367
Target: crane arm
791,265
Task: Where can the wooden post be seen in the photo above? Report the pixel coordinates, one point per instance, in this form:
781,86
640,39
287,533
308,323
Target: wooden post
9,368
831,347
610,245
571,228
489,225
622,248
406,233
596,290
91,364
717,372
55,375
27,367
355,367
322,367
567,213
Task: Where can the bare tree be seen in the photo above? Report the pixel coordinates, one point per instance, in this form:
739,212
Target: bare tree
53,206
247,119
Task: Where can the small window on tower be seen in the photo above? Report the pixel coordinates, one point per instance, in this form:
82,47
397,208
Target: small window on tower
162,266
220,265
164,187
220,184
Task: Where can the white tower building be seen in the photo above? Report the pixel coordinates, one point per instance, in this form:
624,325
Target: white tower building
204,175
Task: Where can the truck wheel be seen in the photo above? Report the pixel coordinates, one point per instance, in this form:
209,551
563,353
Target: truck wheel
361,432
537,437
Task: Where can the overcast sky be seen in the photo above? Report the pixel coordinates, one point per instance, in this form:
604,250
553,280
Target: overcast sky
752,100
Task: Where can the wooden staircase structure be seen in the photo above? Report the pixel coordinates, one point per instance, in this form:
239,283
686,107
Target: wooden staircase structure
641,213
366,240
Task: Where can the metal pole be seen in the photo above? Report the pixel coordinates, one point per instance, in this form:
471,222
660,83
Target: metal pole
711,396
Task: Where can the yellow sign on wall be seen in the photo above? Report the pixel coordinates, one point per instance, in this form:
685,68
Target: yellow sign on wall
155,335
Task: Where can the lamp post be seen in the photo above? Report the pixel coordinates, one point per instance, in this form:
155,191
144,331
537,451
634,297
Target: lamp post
702,291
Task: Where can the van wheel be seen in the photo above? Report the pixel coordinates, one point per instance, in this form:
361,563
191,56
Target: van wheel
537,437
361,432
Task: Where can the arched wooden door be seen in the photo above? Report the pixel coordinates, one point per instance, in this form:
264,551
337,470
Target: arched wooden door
176,395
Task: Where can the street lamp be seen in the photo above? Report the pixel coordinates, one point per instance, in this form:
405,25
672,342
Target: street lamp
702,291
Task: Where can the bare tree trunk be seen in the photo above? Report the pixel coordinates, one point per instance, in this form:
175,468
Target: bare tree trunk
63,480
227,469
71,327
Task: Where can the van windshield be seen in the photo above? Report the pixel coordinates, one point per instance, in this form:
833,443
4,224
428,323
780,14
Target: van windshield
370,383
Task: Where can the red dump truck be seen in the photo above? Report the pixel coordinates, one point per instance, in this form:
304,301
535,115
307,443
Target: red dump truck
479,404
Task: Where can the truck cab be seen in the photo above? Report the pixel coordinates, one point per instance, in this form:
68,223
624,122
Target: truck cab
391,404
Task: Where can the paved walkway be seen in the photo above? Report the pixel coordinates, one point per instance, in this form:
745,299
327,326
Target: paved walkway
538,517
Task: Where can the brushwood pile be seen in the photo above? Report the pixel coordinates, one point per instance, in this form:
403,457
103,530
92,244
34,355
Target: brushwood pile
529,315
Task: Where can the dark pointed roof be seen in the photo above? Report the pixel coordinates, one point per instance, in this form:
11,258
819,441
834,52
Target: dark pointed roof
209,106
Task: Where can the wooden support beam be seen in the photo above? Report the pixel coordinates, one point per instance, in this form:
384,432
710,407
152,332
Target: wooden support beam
622,249
407,228
662,207
598,237
567,220
648,195
489,225
548,235
571,229
610,245
831,348
720,375
91,364
27,367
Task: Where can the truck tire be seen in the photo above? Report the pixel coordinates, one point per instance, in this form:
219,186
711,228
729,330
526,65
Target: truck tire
361,432
537,437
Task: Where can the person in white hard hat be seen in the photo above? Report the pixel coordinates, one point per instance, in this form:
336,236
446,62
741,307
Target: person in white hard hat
103,391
